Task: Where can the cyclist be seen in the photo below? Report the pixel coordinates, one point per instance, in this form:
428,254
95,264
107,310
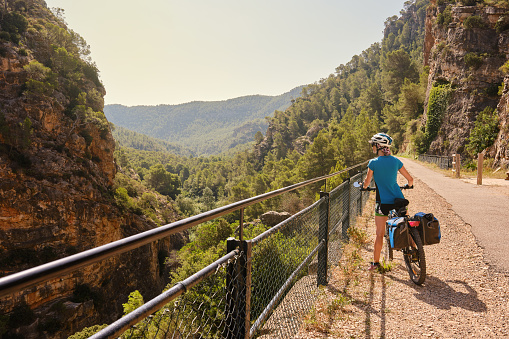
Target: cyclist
384,169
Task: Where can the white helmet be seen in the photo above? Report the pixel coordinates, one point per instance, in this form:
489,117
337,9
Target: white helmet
382,139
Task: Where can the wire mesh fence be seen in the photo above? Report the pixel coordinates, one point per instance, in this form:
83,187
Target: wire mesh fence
442,161
263,287
278,258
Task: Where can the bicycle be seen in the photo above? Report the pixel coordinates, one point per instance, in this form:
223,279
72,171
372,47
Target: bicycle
413,252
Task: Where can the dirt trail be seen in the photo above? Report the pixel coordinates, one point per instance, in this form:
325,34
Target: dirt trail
464,296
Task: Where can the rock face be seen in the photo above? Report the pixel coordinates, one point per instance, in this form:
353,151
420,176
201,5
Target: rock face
273,218
57,170
463,48
500,150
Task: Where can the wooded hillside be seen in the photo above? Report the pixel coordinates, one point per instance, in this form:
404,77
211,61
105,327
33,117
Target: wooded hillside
205,128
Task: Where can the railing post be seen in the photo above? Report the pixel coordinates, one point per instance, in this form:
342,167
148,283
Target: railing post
231,293
456,164
346,210
238,291
480,160
247,273
323,234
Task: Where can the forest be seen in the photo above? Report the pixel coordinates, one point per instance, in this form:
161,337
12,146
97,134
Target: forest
324,130
204,128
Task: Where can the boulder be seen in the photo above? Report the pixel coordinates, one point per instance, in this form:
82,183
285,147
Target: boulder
273,218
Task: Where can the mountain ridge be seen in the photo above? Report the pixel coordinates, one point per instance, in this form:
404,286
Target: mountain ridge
205,127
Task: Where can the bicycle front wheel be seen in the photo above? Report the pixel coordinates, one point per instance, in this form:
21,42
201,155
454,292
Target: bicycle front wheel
415,259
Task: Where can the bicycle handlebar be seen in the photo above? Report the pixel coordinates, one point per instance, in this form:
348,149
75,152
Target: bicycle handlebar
362,189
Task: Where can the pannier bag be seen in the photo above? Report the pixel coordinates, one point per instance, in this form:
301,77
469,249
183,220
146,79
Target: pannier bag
429,228
398,233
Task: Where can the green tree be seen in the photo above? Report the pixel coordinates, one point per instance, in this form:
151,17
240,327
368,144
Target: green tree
258,137
208,198
397,67
162,181
485,131
135,300
318,159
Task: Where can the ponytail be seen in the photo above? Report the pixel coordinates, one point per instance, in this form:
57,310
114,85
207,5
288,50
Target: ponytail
385,150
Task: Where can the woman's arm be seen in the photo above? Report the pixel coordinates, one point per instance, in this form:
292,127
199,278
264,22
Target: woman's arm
367,181
407,175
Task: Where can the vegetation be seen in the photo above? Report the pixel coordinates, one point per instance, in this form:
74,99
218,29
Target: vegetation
445,18
474,21
485,131
324,130
437,104
87,332
203,128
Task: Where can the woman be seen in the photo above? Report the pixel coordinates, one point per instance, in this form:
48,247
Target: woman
384,169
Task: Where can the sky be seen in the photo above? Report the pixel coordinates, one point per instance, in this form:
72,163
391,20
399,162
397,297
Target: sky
156,52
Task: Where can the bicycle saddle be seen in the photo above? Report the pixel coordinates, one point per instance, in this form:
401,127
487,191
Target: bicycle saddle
399,203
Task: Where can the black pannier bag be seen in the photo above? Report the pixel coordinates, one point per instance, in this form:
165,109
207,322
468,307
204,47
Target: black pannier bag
429,228
398,233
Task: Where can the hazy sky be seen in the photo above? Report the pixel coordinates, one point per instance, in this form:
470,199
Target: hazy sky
170,52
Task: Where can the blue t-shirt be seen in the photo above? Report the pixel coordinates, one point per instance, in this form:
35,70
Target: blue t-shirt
385,171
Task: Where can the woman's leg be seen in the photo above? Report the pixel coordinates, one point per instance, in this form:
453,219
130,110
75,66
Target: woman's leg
380,232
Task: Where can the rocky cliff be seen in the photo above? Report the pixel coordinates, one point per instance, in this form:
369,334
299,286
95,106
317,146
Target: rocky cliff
465,47
57,170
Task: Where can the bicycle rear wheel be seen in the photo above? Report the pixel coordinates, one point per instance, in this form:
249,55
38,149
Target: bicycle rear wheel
415,259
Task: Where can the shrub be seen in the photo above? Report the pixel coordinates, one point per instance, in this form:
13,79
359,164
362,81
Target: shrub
445,18
15,24
485,131
21,315
437,104
492,90
122,197
39,87
474,21
502,24
473,60
505,68
5,36
135,301
87,332
469,2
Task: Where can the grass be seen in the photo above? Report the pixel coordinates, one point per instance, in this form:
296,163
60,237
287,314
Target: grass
337,304
385,266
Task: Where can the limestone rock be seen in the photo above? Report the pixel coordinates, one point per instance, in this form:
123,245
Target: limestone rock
475,88
273,218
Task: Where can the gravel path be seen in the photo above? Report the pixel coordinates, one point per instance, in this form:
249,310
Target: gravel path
463,295
484,207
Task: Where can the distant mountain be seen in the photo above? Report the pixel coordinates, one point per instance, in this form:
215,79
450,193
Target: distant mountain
127,138
205,128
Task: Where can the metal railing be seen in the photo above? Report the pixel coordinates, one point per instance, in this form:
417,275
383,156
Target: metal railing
248,292
442,161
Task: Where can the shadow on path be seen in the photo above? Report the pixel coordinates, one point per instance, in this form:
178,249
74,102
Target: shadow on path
446,294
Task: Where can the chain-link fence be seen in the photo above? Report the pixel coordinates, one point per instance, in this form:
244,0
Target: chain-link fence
263,287
442,161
